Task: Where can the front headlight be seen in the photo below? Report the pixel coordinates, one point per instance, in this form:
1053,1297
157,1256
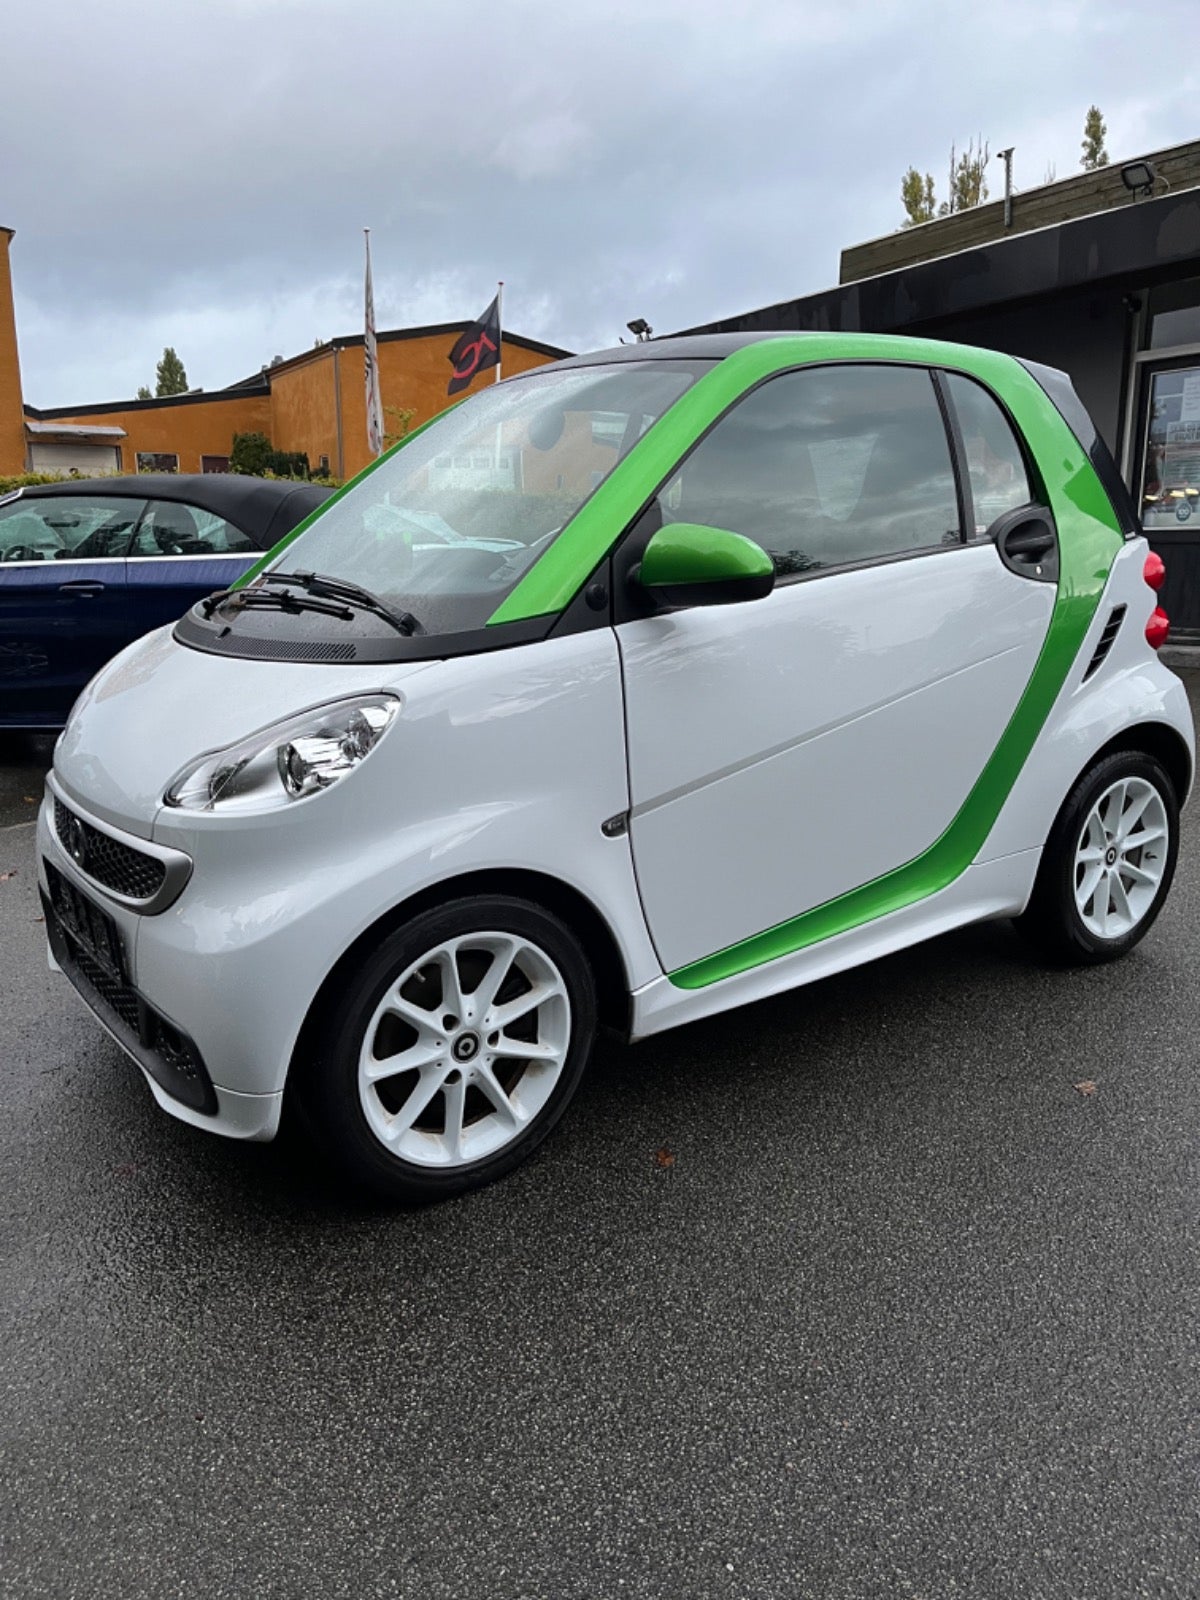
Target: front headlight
293,759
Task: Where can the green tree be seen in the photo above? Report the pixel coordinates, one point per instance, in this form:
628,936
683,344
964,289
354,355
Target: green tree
398,421
144,393
1094,131
968,183
172,379
967,186
916,195
251,454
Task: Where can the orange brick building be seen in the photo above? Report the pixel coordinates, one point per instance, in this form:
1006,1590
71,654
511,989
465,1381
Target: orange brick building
314,403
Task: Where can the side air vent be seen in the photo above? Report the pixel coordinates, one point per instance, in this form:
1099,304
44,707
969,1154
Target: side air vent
1111,629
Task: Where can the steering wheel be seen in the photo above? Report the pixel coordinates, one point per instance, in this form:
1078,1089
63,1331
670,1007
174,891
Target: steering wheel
22,552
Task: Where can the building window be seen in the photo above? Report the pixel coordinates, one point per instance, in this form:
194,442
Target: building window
1171,459
214,463
1175,315
157,461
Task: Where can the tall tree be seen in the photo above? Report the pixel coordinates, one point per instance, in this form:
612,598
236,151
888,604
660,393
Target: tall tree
1094,131
968,181
967,186
144,393
171,378
916,195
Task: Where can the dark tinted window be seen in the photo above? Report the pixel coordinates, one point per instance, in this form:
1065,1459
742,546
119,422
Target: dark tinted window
827,466
172,529
995,465
66,527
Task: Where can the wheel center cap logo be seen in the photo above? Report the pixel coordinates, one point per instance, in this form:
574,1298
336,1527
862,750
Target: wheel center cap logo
465,1047
1111,856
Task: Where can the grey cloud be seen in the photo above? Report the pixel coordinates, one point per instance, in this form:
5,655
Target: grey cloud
199,174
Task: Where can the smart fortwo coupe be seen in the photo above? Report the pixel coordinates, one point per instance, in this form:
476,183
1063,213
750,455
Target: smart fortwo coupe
629,690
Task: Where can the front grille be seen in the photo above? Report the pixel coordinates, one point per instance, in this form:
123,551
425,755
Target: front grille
116,865
119,997
87,946
1107,639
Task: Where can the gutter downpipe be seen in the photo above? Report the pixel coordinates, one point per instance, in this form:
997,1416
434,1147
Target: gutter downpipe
337,409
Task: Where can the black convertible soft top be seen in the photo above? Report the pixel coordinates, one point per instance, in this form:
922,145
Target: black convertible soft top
263,508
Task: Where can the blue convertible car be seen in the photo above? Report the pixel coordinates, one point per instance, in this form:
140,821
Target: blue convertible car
88,565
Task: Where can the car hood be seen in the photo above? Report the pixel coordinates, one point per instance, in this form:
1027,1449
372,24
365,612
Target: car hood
158,705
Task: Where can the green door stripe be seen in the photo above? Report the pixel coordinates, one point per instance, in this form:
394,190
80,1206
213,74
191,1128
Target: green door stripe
1090,538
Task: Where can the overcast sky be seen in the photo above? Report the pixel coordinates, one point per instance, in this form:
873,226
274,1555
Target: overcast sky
198,172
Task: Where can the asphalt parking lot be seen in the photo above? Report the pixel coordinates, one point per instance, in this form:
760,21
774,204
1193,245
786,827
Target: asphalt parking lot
853,1293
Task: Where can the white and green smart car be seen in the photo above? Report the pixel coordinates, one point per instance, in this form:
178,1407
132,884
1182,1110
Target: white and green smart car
630,690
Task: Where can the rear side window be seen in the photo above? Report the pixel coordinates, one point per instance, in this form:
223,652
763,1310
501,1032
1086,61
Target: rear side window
827,466
172,529
995,464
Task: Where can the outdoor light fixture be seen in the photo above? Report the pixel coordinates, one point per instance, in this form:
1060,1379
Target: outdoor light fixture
1138,177
640,329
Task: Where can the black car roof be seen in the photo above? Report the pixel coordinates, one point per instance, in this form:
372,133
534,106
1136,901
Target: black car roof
260,507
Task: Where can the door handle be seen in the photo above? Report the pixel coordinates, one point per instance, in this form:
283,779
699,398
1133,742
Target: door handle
1031,539
1027,543
86,587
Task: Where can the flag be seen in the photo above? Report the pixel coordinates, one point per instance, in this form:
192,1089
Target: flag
477,349
371,366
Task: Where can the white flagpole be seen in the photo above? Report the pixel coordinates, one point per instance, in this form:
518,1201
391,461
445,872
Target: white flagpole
371,362
499,329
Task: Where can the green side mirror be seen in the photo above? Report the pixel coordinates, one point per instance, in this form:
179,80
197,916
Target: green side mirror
687,564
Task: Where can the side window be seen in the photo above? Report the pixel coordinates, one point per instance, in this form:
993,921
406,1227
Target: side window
995,465
826,466
172,529
67,528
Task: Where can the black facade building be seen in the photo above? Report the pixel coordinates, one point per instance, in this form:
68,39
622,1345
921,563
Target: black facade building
1111,297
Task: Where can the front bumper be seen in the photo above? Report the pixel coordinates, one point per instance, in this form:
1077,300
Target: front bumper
95,954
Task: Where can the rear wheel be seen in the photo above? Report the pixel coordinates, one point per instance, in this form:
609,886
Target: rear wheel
454,1051
1108,863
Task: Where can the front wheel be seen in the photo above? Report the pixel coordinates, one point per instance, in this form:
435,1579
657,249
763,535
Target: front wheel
1108,863
453,1051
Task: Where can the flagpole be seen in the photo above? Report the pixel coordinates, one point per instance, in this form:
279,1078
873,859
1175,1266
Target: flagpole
499,329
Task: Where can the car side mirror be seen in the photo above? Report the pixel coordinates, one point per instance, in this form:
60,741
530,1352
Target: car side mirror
687,564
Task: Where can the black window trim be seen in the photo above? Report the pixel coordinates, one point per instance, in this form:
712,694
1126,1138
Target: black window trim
1034,481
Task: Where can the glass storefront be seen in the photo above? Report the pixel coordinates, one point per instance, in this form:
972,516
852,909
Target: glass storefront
1170,486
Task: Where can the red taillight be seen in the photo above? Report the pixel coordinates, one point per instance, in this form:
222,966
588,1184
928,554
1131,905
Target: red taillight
1157,628
1155,571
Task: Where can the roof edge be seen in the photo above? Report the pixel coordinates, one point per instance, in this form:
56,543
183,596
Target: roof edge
104,407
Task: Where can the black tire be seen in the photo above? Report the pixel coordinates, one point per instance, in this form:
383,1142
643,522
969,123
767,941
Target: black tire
1052,922
327,1086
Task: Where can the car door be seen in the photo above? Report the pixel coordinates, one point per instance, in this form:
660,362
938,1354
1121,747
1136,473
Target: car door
62,568
786,751
180,553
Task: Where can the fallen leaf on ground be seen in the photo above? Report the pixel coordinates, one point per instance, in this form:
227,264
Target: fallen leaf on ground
1086,1086
29,799
5,876
664,1157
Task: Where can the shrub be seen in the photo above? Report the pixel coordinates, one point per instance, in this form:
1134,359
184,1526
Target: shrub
254,456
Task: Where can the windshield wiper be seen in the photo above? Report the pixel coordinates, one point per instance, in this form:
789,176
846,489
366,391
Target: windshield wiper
250,598
318,583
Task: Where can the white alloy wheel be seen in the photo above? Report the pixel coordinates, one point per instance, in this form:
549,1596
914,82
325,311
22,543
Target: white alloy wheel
1121,857
464,1050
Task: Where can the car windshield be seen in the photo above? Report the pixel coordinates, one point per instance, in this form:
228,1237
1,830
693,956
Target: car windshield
447,526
